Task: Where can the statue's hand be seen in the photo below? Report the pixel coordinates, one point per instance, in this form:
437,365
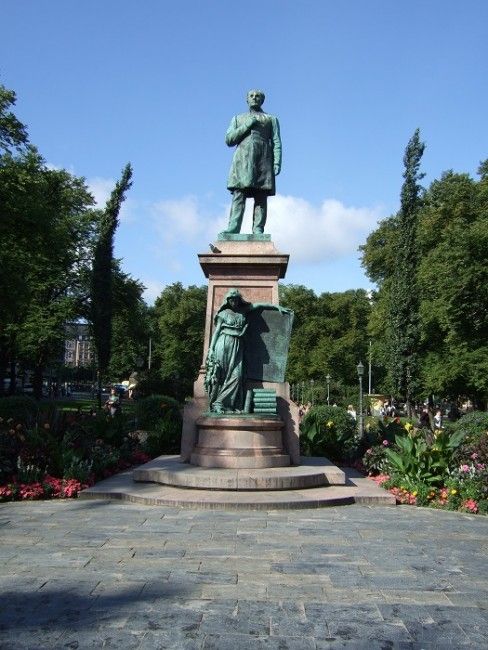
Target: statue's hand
284,310
251,120
276,170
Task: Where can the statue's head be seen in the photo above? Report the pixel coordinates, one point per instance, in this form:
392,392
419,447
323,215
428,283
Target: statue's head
233,298
255,98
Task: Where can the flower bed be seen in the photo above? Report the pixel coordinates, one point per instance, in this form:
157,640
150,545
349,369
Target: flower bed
442,469
47,453
50,487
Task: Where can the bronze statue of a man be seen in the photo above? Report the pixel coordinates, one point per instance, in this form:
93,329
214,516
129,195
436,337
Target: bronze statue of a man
256,162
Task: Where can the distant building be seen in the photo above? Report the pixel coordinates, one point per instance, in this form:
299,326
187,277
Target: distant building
78,346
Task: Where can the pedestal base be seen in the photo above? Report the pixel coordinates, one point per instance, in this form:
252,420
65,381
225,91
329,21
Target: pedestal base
240,442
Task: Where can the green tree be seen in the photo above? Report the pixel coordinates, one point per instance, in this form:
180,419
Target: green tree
453,282
329,337
130,326
102,275
179,314
404,331
13,134
45,233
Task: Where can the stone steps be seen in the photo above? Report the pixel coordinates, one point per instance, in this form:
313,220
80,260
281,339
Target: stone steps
168,470
356,489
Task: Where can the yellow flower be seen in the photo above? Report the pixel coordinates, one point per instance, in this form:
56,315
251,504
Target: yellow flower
414,494
330,423
453,491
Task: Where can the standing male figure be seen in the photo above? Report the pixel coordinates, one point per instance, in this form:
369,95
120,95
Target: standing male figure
256,162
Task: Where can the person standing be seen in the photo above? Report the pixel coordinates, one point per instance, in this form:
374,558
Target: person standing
256,162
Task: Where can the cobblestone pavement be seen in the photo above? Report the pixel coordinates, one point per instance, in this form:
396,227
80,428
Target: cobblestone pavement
93,574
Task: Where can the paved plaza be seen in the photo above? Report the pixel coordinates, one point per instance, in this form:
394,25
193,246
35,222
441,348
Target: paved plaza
102,574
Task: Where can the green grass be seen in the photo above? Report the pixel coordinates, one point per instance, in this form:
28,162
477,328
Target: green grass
86,404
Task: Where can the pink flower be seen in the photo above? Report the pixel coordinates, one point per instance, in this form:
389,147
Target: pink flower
474,456
471,505
5,492
31,491
464,468
380,479
385,443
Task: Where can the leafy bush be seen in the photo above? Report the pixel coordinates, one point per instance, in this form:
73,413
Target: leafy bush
475,443
377,430
375,460
160,415
473,425
415,458
78,469
329,431
150,411
149,384
20,408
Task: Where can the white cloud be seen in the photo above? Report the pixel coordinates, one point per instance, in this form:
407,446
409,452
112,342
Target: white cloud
153,290
101,189
310,233
185,221
318,234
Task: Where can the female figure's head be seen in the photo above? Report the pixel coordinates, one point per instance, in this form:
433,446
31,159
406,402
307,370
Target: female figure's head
232,300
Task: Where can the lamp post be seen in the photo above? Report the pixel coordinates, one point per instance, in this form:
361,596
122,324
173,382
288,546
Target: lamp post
360,369
369,369
327,378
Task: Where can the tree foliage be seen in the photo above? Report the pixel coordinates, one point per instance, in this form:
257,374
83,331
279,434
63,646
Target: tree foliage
179,324
46,226
103,270
449,277
13,134
329,337
130,326
48,233
403,331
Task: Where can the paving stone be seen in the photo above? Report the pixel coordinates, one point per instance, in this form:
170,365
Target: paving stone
243,642
164,577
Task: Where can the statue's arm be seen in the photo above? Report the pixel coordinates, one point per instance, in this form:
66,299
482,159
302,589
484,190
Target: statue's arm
267,305
276,145
215,336
238,129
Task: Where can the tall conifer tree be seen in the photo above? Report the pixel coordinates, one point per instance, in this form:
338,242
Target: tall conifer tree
102,275
404,300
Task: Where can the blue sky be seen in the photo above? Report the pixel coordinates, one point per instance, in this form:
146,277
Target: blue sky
155,82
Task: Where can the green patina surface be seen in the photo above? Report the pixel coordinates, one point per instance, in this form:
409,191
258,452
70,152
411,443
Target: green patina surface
266,345
255,164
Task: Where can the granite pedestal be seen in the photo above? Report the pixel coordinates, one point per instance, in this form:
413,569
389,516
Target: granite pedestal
251,264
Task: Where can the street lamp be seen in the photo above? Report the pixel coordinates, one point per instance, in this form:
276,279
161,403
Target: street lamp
360,369
369,369
327,378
